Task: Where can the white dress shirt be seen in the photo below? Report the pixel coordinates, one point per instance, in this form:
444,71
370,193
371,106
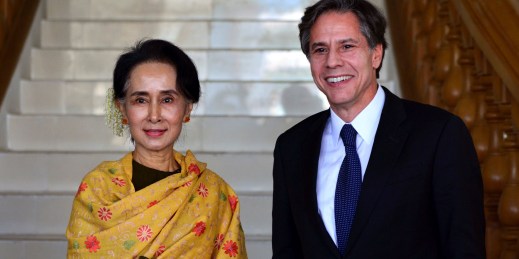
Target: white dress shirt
333,152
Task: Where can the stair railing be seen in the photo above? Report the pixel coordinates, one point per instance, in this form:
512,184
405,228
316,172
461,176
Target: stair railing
15,21
463,55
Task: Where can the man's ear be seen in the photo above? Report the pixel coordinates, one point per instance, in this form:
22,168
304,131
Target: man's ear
376,57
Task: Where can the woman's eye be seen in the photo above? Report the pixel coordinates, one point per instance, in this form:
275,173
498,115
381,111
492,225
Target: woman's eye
139,101
168,100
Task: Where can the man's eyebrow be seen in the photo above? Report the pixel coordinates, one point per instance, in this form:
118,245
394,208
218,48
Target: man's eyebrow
348,40
342,41
317,44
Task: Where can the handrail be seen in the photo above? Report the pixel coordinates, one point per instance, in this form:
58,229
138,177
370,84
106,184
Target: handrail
493,25
15,22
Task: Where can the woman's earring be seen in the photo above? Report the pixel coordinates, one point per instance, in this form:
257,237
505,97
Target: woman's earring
187,119
124,121
113,116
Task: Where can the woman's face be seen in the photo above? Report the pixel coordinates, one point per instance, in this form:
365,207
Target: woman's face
154,107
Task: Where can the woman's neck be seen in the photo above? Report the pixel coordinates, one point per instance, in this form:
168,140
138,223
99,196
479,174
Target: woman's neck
162,161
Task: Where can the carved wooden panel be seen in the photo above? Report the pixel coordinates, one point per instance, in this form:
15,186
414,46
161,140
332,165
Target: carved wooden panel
464,57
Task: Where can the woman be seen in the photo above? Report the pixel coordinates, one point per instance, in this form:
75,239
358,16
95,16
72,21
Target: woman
154,202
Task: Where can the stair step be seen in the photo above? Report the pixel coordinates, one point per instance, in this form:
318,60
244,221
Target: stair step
218,98
49,214
128,10
67,133
61,173
12,248
219,65
188,35
100,35
87,64
176,10
21,248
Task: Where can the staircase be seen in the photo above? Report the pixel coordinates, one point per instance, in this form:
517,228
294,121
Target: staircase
255,84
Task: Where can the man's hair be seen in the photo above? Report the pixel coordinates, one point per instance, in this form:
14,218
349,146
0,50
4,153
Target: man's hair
371,21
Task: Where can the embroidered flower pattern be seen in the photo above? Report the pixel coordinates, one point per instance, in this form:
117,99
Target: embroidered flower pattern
128,244
223,197
194,169
159,251
192,198
199,228
92,244
104,214
233,200
231,248
202,190
119,182
75,245
188,183
144,233
152,203
218,241
82,187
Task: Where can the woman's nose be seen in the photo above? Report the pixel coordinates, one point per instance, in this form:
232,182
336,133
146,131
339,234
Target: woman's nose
154,113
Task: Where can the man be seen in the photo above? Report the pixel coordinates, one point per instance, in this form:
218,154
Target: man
374,176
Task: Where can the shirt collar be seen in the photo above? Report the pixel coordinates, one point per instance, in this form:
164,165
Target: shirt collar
366,122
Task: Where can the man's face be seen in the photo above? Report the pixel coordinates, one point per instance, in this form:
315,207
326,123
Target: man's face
342,64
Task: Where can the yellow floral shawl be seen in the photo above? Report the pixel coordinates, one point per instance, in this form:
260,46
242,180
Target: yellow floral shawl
193,214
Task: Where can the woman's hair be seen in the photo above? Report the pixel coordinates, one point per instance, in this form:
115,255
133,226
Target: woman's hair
154,50
372,22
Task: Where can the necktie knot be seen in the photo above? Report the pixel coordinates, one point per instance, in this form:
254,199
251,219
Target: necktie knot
349,135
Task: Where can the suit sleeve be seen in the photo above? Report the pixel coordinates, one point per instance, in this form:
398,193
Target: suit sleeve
285,240
458,194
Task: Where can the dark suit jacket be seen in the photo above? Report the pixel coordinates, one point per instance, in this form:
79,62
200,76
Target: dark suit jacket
421,197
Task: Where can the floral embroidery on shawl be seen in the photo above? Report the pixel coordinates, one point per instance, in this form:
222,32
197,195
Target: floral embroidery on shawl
231,248
144,233
82,187
119,182
92,244
199,228
104,214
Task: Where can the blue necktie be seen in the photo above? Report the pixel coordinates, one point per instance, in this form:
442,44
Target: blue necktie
347,191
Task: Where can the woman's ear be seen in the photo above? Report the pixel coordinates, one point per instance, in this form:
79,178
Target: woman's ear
121,108
189,108
187,114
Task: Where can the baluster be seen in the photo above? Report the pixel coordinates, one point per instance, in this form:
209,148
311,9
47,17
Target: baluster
495,176
508,209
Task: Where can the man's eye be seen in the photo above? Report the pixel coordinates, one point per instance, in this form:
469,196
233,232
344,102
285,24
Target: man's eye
319,50
348,46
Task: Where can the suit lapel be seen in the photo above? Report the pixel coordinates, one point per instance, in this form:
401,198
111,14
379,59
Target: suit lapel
310,162
389,140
